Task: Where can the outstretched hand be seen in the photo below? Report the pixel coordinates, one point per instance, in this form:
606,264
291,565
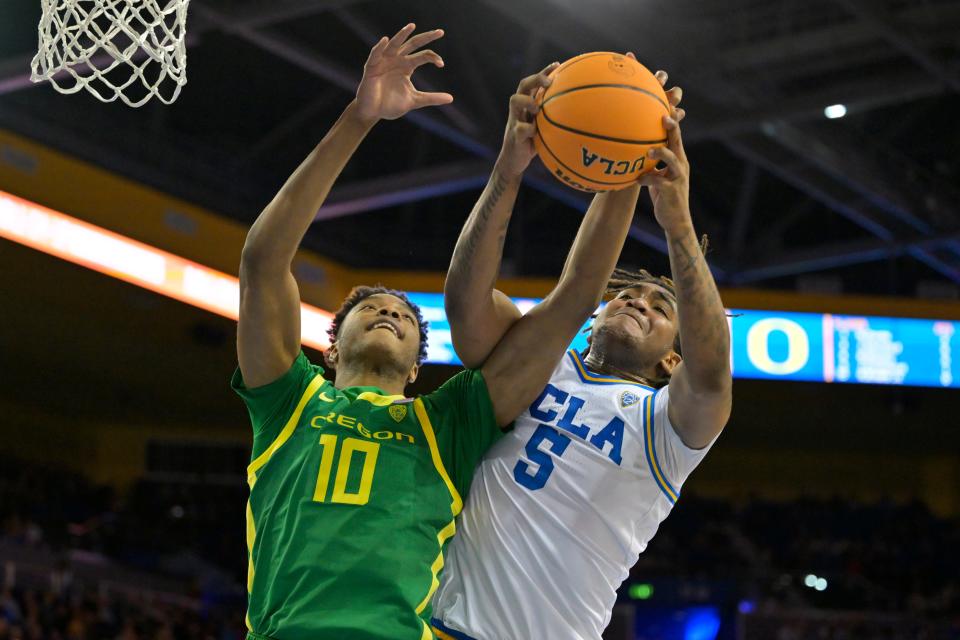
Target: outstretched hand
386,91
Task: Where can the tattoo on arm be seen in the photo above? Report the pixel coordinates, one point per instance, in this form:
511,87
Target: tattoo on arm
472,234
703,326
690,259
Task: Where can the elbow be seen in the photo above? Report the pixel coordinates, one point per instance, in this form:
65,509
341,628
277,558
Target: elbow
256,260
252,257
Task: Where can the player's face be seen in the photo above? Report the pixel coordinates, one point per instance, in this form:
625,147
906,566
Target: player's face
640,323
381,330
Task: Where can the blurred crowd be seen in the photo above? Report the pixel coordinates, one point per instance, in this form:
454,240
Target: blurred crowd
881,556
44,614
759,556
165,526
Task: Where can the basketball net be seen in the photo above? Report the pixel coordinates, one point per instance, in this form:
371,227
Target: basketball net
130,50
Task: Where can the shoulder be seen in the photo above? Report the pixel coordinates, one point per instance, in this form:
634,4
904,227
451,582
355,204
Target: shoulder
301,368
463,383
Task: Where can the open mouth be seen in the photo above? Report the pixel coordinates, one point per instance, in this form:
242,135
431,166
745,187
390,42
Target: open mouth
384,324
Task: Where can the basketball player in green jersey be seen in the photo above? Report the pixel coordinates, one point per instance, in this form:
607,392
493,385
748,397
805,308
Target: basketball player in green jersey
353,487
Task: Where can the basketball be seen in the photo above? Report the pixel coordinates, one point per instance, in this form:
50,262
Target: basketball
598,119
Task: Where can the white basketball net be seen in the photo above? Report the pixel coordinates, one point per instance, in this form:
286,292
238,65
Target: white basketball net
127,49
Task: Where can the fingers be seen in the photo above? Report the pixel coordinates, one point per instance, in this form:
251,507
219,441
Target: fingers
523,107
420,40
631,56
547,70
667,157
431,99
680,114
376,53
674,139
674,96
525,130
530,84
654,178
399,38
421,58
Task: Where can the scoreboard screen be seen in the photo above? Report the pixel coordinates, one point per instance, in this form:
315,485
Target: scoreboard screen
785,345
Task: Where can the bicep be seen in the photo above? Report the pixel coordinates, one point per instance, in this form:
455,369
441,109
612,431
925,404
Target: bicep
523,361
268,334
698,416
477,328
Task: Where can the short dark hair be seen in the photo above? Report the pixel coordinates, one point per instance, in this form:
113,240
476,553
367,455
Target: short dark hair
361,293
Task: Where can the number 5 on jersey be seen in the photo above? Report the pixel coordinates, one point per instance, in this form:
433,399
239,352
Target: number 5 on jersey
556,443
370,450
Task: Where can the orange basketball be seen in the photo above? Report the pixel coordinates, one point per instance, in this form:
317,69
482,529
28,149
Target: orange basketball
598,119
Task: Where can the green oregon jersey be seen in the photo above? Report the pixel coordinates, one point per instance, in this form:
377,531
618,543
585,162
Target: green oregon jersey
353,496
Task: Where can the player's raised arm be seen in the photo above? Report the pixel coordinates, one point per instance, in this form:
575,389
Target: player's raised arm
269,329
479,314
522,362
701,384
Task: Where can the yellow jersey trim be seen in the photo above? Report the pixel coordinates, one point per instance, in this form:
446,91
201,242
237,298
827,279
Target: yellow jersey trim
652,452
288,428
441,635
427,634
251,537
457,505
378,400
587,376
445,534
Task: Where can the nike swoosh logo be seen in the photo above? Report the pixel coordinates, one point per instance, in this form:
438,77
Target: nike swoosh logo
323,396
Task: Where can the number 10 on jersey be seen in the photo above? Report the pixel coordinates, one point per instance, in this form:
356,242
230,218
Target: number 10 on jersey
350,446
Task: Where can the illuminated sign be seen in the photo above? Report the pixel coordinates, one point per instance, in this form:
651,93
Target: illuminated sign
137,263
770,345
783,345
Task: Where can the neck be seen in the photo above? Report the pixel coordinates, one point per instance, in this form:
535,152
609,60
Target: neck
597,363
383,378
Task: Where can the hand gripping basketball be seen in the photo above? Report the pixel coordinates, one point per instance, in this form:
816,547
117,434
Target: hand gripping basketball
669,185
518,149
386,91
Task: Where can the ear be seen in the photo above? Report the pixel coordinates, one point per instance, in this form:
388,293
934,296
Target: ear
332,356
412,376
669,362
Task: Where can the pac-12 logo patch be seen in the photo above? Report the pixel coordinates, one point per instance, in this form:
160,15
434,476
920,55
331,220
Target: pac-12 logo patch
628,398
398,412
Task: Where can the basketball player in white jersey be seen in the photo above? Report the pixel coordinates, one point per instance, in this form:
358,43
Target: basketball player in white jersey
562,506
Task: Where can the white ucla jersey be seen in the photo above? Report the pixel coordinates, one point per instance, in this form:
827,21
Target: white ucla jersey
559,510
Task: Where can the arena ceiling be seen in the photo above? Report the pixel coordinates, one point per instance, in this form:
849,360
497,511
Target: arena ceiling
867,203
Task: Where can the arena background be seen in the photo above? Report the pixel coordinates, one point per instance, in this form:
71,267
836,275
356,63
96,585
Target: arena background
122,488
